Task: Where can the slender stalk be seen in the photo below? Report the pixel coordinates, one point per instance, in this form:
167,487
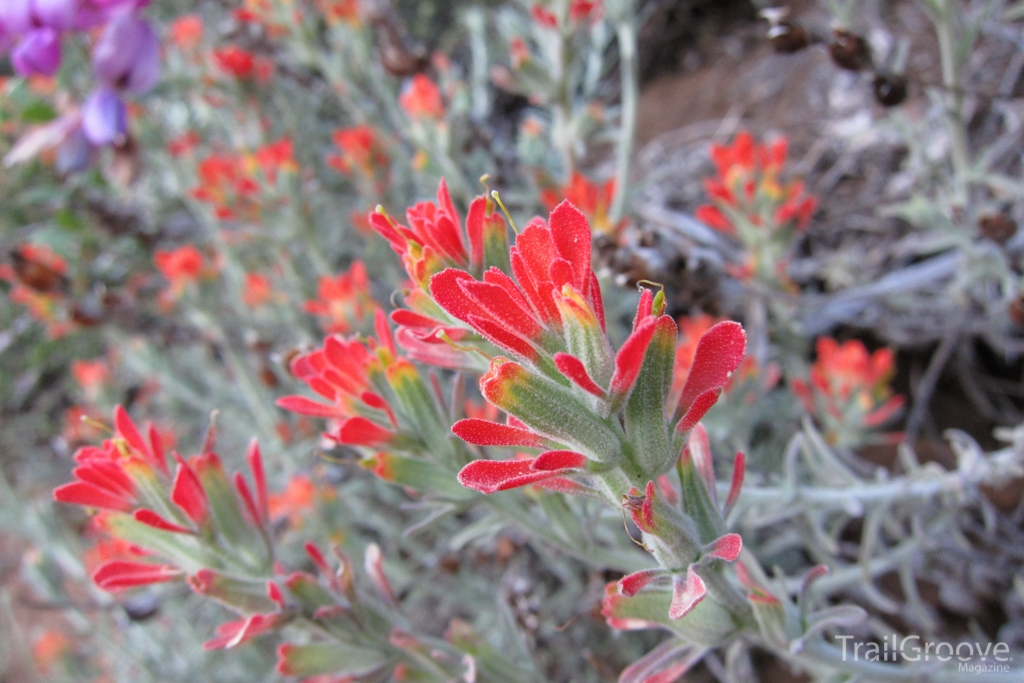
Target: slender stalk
942,17
599,557
626,32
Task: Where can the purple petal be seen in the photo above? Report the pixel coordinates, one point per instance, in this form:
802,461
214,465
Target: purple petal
75,153
127,55
16,16
56,14
37,53
104,119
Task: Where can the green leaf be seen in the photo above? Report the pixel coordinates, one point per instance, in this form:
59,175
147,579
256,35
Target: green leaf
38,111
326,658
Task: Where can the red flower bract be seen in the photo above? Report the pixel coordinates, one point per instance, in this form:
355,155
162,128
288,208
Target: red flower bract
554,280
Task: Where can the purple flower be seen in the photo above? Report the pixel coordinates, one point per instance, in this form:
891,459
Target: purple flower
127,55
104,119
16,16
56,14
96,12
75,152
37,53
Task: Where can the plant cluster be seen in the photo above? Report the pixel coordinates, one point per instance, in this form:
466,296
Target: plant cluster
393,438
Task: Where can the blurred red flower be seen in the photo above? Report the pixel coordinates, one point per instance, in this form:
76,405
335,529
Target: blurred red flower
187,31
343,302
421,98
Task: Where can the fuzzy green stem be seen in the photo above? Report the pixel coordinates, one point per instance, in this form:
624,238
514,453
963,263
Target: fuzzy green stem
626,32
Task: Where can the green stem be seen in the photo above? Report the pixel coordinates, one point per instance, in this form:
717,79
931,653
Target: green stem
951,80
626,32
618,560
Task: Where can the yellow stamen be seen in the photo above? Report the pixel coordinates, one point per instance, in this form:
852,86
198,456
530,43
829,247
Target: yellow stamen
508,216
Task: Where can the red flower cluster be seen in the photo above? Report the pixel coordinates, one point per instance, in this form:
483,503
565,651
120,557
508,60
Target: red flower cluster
181,267
243,65
341,371
129,474
748,188
421,98
187,32
344,302
362,152
579,12
593,199
343,11
849,389
234,183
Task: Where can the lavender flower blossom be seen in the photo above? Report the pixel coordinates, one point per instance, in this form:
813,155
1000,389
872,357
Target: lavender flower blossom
56,14
127,55
104,119
38,53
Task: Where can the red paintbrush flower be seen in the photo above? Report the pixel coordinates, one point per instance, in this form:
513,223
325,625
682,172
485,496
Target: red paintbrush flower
129,476
343,302
187,32
848,390
235,61
555,290
340,371
361,152
421,98
181,265
593,199
748,188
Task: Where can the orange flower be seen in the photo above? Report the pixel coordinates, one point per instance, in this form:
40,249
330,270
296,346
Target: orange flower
340,11
235,61
276,156
343,302
361,151
592,199
187,32
748,185
49,647
421,98
257,290
843,369
298,497
231,184
183,144
90,375
180,265
849,391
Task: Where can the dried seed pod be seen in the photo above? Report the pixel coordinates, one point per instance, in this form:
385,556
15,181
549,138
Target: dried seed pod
848,50
890,89
268,376
784,35
787,37
36,274
997,227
